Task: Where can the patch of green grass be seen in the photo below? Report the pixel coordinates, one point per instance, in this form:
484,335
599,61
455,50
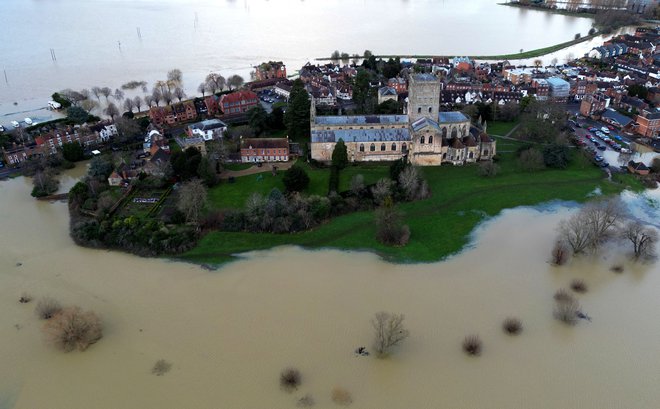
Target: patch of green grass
501,128
237,166
233,195
440,225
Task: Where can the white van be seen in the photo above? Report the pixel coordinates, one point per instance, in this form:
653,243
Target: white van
54,105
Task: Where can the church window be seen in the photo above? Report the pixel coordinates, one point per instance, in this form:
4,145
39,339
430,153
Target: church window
419,110
454,133
471,155
382,147
421,139
430,110
372,148
404,147
430,138
486,152
361,147
394,146
444,132
444,155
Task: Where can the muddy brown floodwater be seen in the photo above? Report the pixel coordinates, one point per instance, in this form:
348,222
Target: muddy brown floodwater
229,333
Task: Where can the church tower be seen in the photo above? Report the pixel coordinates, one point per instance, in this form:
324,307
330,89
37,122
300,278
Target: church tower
423,97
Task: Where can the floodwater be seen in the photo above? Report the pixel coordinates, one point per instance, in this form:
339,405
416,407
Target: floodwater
110,42
229,333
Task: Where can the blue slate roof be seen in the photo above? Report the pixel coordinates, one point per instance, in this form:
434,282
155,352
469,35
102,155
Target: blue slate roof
361,135
455,116
362,120
425,77
422,123
614,115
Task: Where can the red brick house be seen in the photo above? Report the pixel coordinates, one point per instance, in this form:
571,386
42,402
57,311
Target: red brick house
157,115
264,149
184,111
399,84
592,104
238,102
270,69
212,105
649,123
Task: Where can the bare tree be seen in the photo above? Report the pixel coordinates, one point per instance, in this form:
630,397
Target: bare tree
168,97
149,100
111,110
156,95
235,81
161,85
211,87
128,105
176,76
118,95
389,332
44,183
382,190
106,91
85,93
591,226
531,160
202,88
89,104
566,310
47,308
137,101
97,92
73,329
218,81
179,93
192,199
642,238
412,184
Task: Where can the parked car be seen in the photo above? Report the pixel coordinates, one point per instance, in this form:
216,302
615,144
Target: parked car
15,124
610,127
604,164
598,158
618,138
601,147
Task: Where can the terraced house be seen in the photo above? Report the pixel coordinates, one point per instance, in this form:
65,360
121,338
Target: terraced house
238,102
424,135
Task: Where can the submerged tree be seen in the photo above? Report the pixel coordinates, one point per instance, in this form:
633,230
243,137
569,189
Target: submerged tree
388,332
642,238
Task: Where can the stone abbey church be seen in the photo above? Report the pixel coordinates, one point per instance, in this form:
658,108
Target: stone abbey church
426,136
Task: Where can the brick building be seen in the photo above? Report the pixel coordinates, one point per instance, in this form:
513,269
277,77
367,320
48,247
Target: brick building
593,104
238,102
264,149
270,69
649,124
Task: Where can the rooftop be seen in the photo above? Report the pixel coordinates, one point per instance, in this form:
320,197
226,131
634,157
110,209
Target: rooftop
361,135
362,120
454,116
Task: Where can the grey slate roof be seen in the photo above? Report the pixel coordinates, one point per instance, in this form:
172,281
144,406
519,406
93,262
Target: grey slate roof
614,115
422,123
455,116
362,120
425,77
361,135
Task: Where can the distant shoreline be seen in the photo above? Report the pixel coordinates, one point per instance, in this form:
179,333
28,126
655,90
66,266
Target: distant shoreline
539,52
549,10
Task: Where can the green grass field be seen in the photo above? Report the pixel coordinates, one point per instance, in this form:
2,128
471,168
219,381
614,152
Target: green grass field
440,225
501,128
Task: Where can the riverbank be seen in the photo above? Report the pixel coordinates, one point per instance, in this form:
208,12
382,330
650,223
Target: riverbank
562,12
440,226
513,56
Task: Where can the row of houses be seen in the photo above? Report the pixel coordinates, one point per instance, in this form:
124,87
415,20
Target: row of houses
231,104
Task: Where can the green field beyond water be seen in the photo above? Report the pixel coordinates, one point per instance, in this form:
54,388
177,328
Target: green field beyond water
440,226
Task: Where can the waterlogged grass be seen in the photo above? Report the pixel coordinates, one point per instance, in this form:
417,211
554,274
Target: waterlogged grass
440,225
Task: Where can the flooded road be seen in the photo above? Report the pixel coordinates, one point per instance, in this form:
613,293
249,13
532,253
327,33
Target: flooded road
229,333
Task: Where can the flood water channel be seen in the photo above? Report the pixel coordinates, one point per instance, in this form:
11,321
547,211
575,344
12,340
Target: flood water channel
228,333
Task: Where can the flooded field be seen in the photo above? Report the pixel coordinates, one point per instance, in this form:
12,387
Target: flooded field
228,333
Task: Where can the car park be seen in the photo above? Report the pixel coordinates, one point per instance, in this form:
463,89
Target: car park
601,147
604,164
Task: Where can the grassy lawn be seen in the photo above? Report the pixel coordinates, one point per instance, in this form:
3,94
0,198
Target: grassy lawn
237,166
440,226
501,128
234,195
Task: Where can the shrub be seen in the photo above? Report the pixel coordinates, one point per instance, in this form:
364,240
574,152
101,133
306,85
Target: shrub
390,228
47,308
512,326
73,329
25,298
617,268
306,401
341,396
295,179
531,160
566,311
488,169
472,345
161,367
579,286
563,296
560,253
290,379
